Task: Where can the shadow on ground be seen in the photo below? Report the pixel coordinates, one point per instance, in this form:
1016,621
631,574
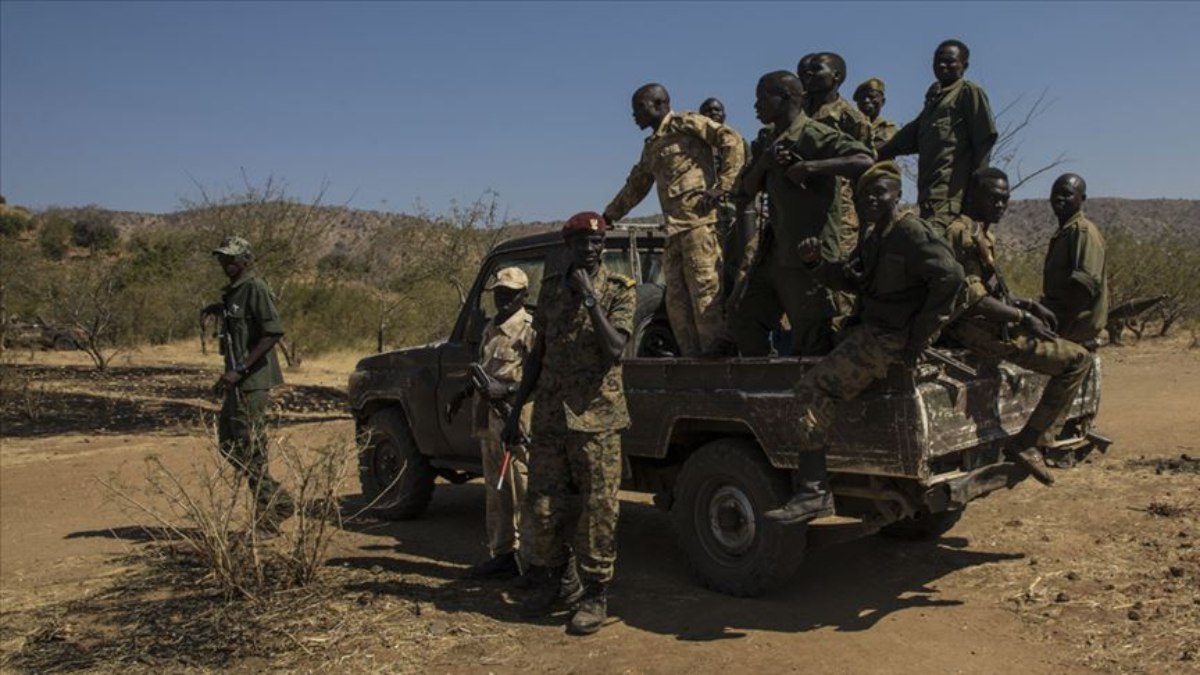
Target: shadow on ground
848,587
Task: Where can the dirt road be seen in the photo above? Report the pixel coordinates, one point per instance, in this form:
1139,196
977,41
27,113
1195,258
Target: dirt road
1101,572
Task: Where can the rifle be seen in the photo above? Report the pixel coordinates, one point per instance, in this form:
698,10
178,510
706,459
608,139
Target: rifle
478,382
945,359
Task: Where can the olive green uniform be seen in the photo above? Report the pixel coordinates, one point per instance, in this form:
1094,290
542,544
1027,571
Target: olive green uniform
843,116
907,280
502,357
1074,280
578,413
1065,362
250,314
780,283
680,158
952,137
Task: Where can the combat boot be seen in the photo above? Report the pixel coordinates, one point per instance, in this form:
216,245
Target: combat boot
592,611
553,587
1031,459
812,499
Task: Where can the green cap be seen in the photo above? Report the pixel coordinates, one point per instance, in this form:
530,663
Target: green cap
884,169
233,246
873,83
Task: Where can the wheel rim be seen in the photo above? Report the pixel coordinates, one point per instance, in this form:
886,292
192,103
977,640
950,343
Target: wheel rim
728,522
386,463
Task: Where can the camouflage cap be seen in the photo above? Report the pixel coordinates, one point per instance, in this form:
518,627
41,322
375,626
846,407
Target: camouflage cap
508,277
873,84
584,222
233,246
884,169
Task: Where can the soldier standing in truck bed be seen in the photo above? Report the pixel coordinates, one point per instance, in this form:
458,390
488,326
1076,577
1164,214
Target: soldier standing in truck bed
1074,279
584,318
907,280
679,157
869,97
952,137
736,216
799,171
994,324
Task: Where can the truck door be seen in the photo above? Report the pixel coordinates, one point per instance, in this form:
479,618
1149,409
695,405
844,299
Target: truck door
463,349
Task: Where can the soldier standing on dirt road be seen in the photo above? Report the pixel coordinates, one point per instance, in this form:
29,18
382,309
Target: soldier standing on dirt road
906,279
584,318
798,170
952,137
250,327
994,324
869,97
1074,277
680,157
506,342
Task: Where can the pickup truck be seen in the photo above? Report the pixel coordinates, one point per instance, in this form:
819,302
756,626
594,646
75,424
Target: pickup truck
711,438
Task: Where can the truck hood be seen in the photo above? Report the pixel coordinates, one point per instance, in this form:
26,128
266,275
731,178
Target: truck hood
386,375
423,355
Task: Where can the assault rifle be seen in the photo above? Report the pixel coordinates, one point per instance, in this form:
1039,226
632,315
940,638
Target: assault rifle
479,381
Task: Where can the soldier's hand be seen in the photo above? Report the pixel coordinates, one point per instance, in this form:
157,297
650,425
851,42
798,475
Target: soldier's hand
798,172
710,199
579,281
1043,312
512,429
226,381
215,308
496,390
1037,327
809,250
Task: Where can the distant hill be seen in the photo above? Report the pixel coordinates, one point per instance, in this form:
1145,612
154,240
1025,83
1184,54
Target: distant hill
1029,222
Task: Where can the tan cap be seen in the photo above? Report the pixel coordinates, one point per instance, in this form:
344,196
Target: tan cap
508,277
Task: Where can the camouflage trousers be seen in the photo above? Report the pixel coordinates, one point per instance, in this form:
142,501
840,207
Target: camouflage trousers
242,435
572,500
863,356
503,505
773,290
848,234
692,264
1065,362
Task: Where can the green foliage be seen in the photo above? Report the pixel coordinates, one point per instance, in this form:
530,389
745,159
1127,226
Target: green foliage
319,317
14,221
54,235
95,234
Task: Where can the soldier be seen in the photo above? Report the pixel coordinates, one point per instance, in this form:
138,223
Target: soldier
584,318
680,156
869,97
735,216
1074,282
994,324
250,327
799,171
506,342
952,137
906,279
822,74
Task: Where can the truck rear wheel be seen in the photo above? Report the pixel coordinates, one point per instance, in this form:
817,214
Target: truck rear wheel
720,497
923,525
391,469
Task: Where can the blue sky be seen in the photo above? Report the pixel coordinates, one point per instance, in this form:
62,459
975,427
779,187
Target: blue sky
130,105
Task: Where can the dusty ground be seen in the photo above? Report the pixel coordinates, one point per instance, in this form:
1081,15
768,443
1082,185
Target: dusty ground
1102,572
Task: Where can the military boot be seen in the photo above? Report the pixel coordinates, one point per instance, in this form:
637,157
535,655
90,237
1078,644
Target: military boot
592,611
812,499
1030,457
553,587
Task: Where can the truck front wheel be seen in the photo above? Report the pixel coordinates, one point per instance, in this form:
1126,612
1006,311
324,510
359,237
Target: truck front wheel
720,497
394,475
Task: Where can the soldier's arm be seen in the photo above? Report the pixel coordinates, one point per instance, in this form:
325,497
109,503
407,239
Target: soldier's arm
614,323
825,150
726,143
262,309
904,142
934,263
637,186
982,125
1087,270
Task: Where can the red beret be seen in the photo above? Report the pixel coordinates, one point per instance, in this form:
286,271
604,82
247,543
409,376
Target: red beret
586,221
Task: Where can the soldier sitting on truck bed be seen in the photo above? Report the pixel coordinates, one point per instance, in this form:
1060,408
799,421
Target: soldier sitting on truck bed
994,324
907,280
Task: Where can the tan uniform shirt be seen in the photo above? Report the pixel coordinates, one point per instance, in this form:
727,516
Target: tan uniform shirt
679,157
502,356
882,131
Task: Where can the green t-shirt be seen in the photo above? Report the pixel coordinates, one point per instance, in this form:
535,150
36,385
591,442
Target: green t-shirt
249,315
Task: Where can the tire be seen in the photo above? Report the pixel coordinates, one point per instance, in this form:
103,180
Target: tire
720,497
652,336
923,526
391,469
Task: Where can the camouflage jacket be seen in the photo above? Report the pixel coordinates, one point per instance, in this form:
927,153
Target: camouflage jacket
680,157
1075,260
575,383
952,137
974,247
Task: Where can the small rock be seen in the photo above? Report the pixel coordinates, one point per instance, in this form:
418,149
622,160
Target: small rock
1033,561
1013,523
1134,615
1176,571
1188,655
376,569
1072,576
1110,587
438,627
1138,605
1062,597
